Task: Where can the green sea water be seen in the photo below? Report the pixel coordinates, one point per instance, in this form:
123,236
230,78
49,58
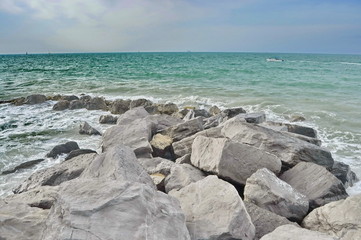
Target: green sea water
325,89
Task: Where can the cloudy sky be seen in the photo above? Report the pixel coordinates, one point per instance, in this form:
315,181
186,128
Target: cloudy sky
316,26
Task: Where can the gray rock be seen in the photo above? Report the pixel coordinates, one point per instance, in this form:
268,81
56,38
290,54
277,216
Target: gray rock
184,146
108,119
162,146
132,115
267,191
343,172
76,104
290,150
264,220
21,222
120,106
156,165
190,115
201,113
232,112
56,174
35,99
183,130
182,175
163,121
18,101
94,209
69,98
158,180
214,110
140,103
255,117
78,152
340,219
168,108
314,141
231,160
136,135
85,128
96,103
184,159
117,163
316,183
85,98
297,119
27,164
214,121
62,148
288,232
302,130
214,210
61,105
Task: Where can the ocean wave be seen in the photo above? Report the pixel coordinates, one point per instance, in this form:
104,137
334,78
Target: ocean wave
351,63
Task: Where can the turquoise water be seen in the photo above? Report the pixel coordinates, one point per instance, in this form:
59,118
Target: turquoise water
325,89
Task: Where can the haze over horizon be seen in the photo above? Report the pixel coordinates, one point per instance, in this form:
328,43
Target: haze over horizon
283,26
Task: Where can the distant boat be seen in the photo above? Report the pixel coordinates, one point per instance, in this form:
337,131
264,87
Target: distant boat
275,59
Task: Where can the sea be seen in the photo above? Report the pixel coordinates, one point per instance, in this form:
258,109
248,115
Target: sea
324,89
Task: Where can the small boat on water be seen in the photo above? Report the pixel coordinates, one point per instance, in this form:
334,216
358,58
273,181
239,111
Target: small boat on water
275,59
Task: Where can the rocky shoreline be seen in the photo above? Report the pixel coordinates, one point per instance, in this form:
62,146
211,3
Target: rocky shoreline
170,173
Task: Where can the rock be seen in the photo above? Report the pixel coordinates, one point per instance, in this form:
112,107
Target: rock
343,172
76,104
131,115
214,210
163,121
156,165
190,115
184,146
27,164
288,232
314,141
117,163
267,191
182,175
231,160
62,148
69,98
264,220
21,222
184,159
183,130
85,128
78,152
162,146
168,108
302,130
56,174
316,183
201,113
108,119
61,105
290,150
297,119
232,112
35,99
95,209
85,98
214,110
340,219
96,103
18,101
158,180
213,121
136,135
120,106
255,117
140,103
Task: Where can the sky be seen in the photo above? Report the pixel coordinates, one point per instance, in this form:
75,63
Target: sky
294,26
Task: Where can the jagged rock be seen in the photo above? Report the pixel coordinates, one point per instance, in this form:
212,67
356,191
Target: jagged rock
158,180
95,209
201,113
254,117
232,112
168,108
132,115
182,175
156,165
61,105
183,130
340,219
267,191
214,110
184,159
316,183
343,172
56,174
184,146
78,152
288,232
264,220
35,99
162,146
96,103
213,121
292,128
140,102
27,164
214,210
69,98
231,160
163,121
76,104
21,222
85,98
108,119
290,150
190,115
297,119
62,148
18,101
85,128
135,134
314,141
120,106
